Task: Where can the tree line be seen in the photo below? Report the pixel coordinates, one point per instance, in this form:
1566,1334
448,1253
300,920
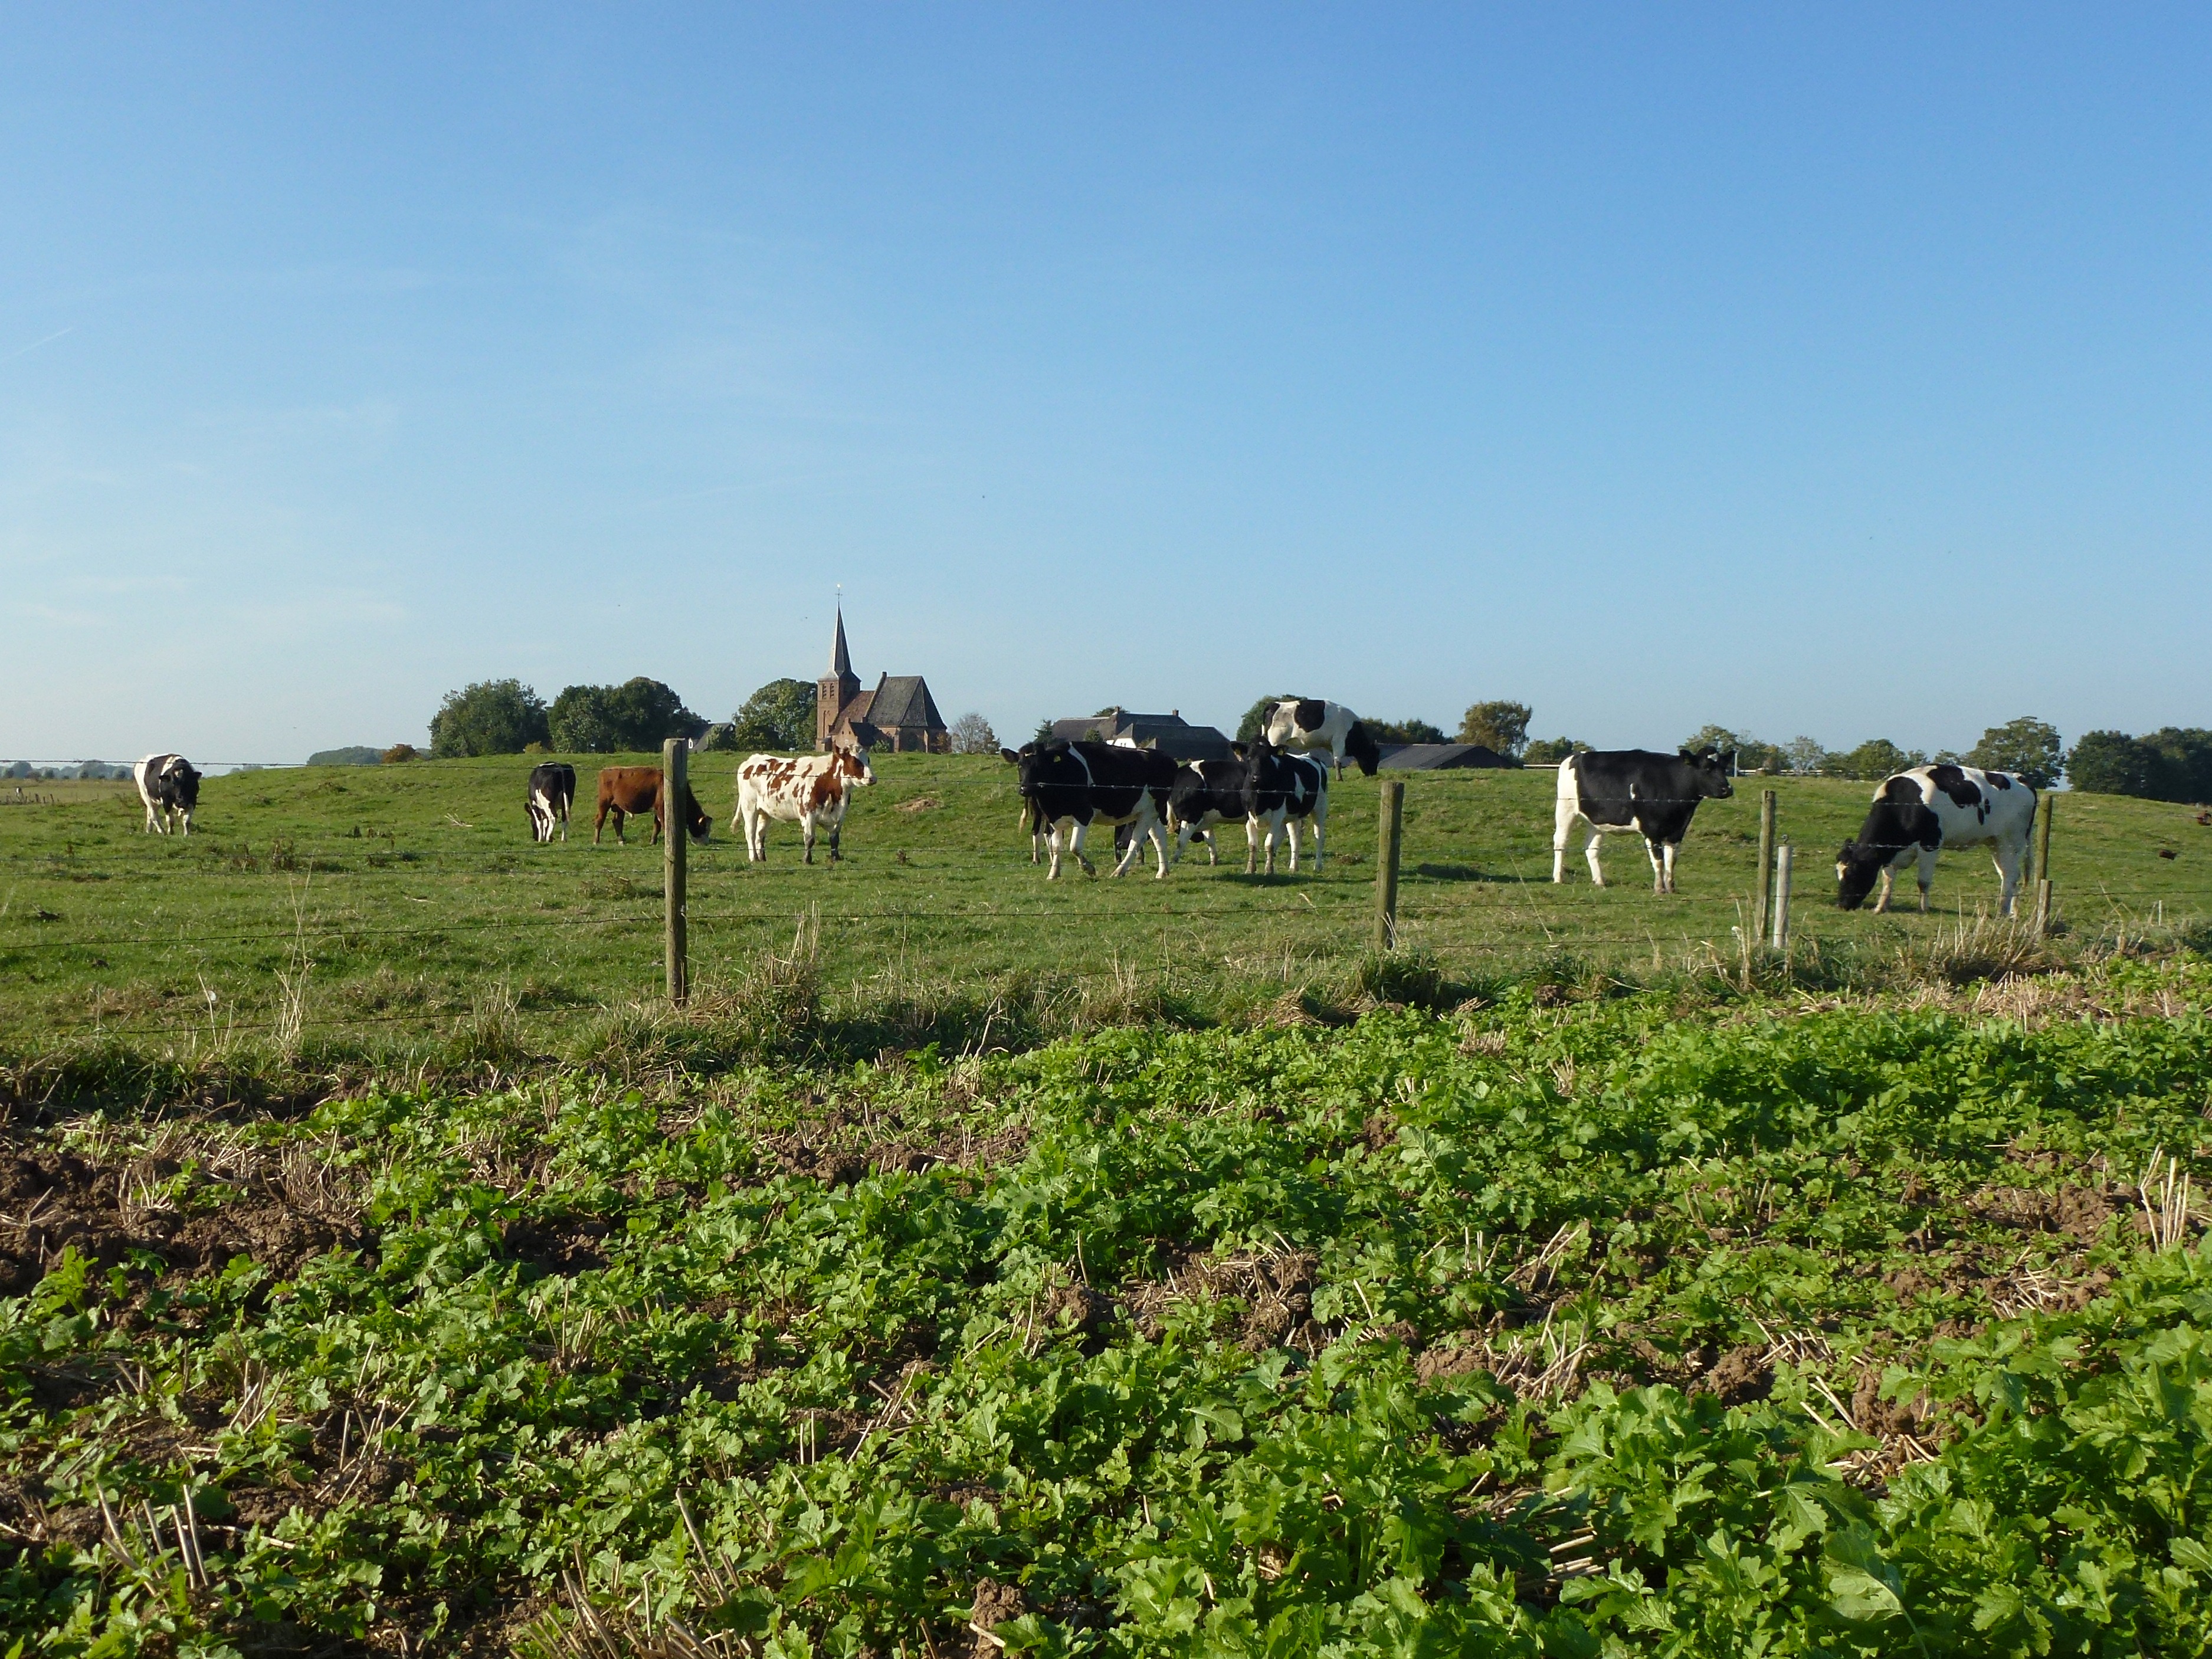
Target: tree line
506,717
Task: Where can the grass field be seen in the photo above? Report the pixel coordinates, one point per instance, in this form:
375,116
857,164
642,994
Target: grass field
397,899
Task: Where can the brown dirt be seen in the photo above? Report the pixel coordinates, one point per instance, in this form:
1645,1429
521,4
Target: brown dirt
1742,1374
1276,1290
560,1244
2080,1213
996,1603
52,1200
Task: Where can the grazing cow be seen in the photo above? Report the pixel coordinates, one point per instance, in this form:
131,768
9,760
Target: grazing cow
168,784
1633,789
1917,813
628,791
1069,786
810,792
1280,789
552,792
1205,793
1309,724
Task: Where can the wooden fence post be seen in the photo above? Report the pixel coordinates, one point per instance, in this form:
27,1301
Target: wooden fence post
675,842
1761,904
1781,897
2041,923
1390,818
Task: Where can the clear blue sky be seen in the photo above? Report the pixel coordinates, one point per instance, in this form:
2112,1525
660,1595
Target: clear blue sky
1838,371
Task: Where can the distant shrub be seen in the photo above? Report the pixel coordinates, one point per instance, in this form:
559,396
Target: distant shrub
359,754
1877,757
399,753
491,717
599,720
1405,731
1550,751
2027,747
2171,763
1503,727
972,735
779,715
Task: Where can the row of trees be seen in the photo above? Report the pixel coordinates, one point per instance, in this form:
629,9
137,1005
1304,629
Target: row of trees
2171,763
506,717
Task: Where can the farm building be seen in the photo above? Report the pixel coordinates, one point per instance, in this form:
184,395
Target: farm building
1169,733
1438,757
898,715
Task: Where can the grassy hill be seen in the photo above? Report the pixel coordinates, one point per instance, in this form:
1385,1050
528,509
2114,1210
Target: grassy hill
396,900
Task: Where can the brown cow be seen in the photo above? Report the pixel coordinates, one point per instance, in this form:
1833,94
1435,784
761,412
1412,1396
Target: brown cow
624,790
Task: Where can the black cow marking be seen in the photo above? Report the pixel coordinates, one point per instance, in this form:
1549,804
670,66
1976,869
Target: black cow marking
1076,785
1962,789
1310,714
552,792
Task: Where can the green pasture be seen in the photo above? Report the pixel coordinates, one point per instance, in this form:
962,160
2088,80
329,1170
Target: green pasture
392,899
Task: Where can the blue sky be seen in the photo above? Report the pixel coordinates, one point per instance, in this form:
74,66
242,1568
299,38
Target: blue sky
1840,372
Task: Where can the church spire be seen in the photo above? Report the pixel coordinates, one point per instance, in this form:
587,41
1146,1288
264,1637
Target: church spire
841,659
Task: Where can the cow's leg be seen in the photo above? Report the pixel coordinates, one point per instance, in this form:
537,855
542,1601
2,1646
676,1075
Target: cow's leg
1320,818
1888,880
1291,829
1052,846
2008,861
1563,829
1667,850
1133,851
598,824
1213,853
1076,836
1251,844
1589,853
1275,822
836,825
1658,865
1927,876
806,828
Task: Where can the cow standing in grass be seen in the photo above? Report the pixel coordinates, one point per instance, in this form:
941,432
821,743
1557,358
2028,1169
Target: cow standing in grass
1917,813
170,789
1279,790
1312,726
630,791
552,792
809,791
1068,786
1634,790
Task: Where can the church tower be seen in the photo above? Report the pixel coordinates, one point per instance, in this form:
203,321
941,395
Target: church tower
835,689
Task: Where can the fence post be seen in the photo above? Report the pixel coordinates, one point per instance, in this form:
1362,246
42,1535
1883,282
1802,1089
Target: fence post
1390,818
1761,904
2043,865
1781,897
675,842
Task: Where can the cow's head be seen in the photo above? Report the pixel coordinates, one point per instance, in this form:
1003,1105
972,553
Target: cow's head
1031,761
1711,773
184,782
851,764
1858,866
695,817
1359,743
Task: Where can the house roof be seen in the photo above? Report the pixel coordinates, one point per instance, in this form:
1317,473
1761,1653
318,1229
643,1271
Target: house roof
1169,733
1438,756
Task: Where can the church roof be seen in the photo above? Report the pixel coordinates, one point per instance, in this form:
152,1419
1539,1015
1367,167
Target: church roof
841,659
904,700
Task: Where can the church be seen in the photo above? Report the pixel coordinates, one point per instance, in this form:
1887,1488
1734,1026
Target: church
898,715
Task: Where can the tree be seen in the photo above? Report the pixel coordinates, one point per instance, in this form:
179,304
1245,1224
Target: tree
491,717
1804,755
972,735
1503,727
2027,747
1043,733
778,716
2112,763
1719,739
1877,757
2171,763
1550,751
1404,732
1255,717
601,719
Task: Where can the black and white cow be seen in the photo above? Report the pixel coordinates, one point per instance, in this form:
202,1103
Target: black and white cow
1205,793
168,784
1069,786
1634,790
1917,813
552,792
1311,724
1279,790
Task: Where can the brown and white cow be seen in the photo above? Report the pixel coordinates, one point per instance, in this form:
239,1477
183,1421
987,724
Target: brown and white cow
809,791
626,791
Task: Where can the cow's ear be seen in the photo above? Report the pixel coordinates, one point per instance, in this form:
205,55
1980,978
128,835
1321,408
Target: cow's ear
1010,757
1237,750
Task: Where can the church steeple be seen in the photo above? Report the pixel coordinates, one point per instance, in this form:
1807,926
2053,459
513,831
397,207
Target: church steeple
836,689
